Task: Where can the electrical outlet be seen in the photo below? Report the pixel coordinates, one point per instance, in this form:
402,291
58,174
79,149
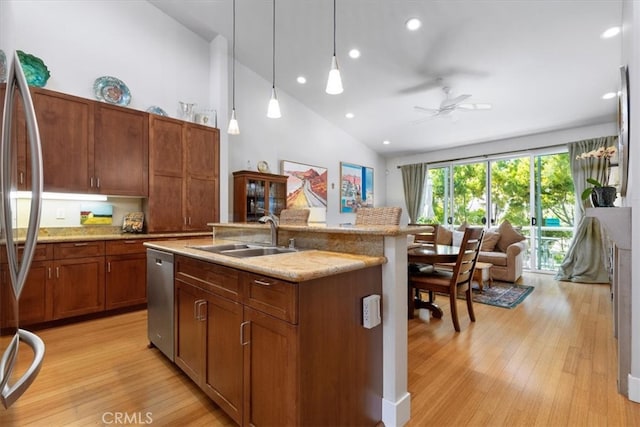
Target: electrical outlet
60,214
371,315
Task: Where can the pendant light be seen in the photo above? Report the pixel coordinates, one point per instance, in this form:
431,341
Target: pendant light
273,111
334,83
233,123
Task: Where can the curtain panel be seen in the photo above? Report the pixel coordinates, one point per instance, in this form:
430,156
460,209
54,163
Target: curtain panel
413,180
585,261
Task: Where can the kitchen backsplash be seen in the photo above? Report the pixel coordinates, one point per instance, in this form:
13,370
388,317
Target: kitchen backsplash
67,213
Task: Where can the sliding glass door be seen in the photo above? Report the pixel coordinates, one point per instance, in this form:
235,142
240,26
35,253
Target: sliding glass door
534,192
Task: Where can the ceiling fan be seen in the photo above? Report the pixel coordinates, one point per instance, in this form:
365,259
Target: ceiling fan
450,104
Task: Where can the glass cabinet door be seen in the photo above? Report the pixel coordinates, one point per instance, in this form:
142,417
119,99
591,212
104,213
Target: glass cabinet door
255,200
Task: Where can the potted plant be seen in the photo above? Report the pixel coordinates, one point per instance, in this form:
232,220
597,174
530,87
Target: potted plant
602,194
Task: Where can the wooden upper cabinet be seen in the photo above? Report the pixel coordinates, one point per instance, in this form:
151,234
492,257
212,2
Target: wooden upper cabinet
121,151
184,164
87,146
66,133
201,176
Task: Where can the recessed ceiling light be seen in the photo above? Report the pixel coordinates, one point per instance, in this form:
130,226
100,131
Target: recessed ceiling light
386,142
354,53
609,95
413,24
611,32
301,79
349,115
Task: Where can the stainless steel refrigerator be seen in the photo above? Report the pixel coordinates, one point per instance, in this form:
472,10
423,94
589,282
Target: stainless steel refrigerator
15,377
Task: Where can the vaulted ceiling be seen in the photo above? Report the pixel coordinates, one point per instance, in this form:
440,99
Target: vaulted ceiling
542,65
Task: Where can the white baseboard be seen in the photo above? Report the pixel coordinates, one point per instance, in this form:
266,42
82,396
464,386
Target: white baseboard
633,388
396,414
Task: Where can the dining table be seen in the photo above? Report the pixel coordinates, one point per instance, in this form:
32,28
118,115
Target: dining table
429,254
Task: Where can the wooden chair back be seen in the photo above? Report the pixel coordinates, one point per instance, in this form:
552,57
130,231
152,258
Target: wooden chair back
451,283
427,238
378,216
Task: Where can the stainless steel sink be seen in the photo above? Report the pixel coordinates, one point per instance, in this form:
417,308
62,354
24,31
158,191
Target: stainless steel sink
220,248
241,250
250,252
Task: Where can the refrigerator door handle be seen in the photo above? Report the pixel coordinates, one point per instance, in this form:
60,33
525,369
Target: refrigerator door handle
19,272
11,393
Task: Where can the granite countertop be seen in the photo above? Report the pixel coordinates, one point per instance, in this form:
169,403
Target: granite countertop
305,264
79,237
381,230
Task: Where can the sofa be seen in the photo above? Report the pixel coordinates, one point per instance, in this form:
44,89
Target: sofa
504,247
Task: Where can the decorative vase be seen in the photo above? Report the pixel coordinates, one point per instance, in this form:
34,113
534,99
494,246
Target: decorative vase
603,197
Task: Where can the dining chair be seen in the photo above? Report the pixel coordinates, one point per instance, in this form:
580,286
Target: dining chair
427,238
378,216
294,216
458,280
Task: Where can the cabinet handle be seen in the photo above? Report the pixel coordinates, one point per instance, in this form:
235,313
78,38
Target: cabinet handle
129,242
57,272
98,182
91,182
80,244
262,283
196,309
242,342
109,267
49,272
202,316
21,178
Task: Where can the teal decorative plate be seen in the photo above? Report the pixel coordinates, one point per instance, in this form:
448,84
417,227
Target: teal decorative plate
3,67
35,70
111,90
154,109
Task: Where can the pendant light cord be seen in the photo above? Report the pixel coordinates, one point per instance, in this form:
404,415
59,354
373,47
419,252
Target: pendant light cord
233,76
273,50
334,27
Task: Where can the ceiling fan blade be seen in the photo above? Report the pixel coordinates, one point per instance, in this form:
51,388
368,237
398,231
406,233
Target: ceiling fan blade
427,110
472,107
453,101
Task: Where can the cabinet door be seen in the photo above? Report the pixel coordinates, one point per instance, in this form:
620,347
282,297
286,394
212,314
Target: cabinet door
271,363
191,311
164,210
223,379
126,280
66,132
78,286
121,151
36,299
201,176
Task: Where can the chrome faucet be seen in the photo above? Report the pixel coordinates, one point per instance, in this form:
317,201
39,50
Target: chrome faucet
273,222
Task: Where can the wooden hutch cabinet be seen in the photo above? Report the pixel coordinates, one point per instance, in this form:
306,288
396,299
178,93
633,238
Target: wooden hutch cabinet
255,193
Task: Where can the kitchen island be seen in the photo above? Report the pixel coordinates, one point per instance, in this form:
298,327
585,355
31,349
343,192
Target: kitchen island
279,339
350,251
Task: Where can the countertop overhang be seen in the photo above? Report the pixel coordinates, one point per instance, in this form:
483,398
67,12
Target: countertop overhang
306,264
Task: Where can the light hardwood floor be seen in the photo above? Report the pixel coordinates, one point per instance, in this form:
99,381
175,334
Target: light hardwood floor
549,362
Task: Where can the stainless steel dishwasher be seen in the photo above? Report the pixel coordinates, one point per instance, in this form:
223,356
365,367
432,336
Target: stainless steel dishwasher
160,301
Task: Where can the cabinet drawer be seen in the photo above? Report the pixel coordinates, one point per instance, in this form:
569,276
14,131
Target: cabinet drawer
272,296
78,249
122,247
212,278
43,252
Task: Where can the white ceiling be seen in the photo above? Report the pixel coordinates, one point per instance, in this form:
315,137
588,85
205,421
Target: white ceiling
540,63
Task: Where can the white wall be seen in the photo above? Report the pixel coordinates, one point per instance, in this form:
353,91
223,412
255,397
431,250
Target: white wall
300,135
162,63
529,142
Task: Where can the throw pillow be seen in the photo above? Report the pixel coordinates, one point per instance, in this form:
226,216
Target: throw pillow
508,236
489,241
456,239
444,236
462,226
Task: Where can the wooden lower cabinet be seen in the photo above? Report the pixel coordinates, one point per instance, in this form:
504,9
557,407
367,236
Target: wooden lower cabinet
126,275
78,286
280,353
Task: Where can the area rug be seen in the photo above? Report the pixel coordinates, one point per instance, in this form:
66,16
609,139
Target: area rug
502,294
